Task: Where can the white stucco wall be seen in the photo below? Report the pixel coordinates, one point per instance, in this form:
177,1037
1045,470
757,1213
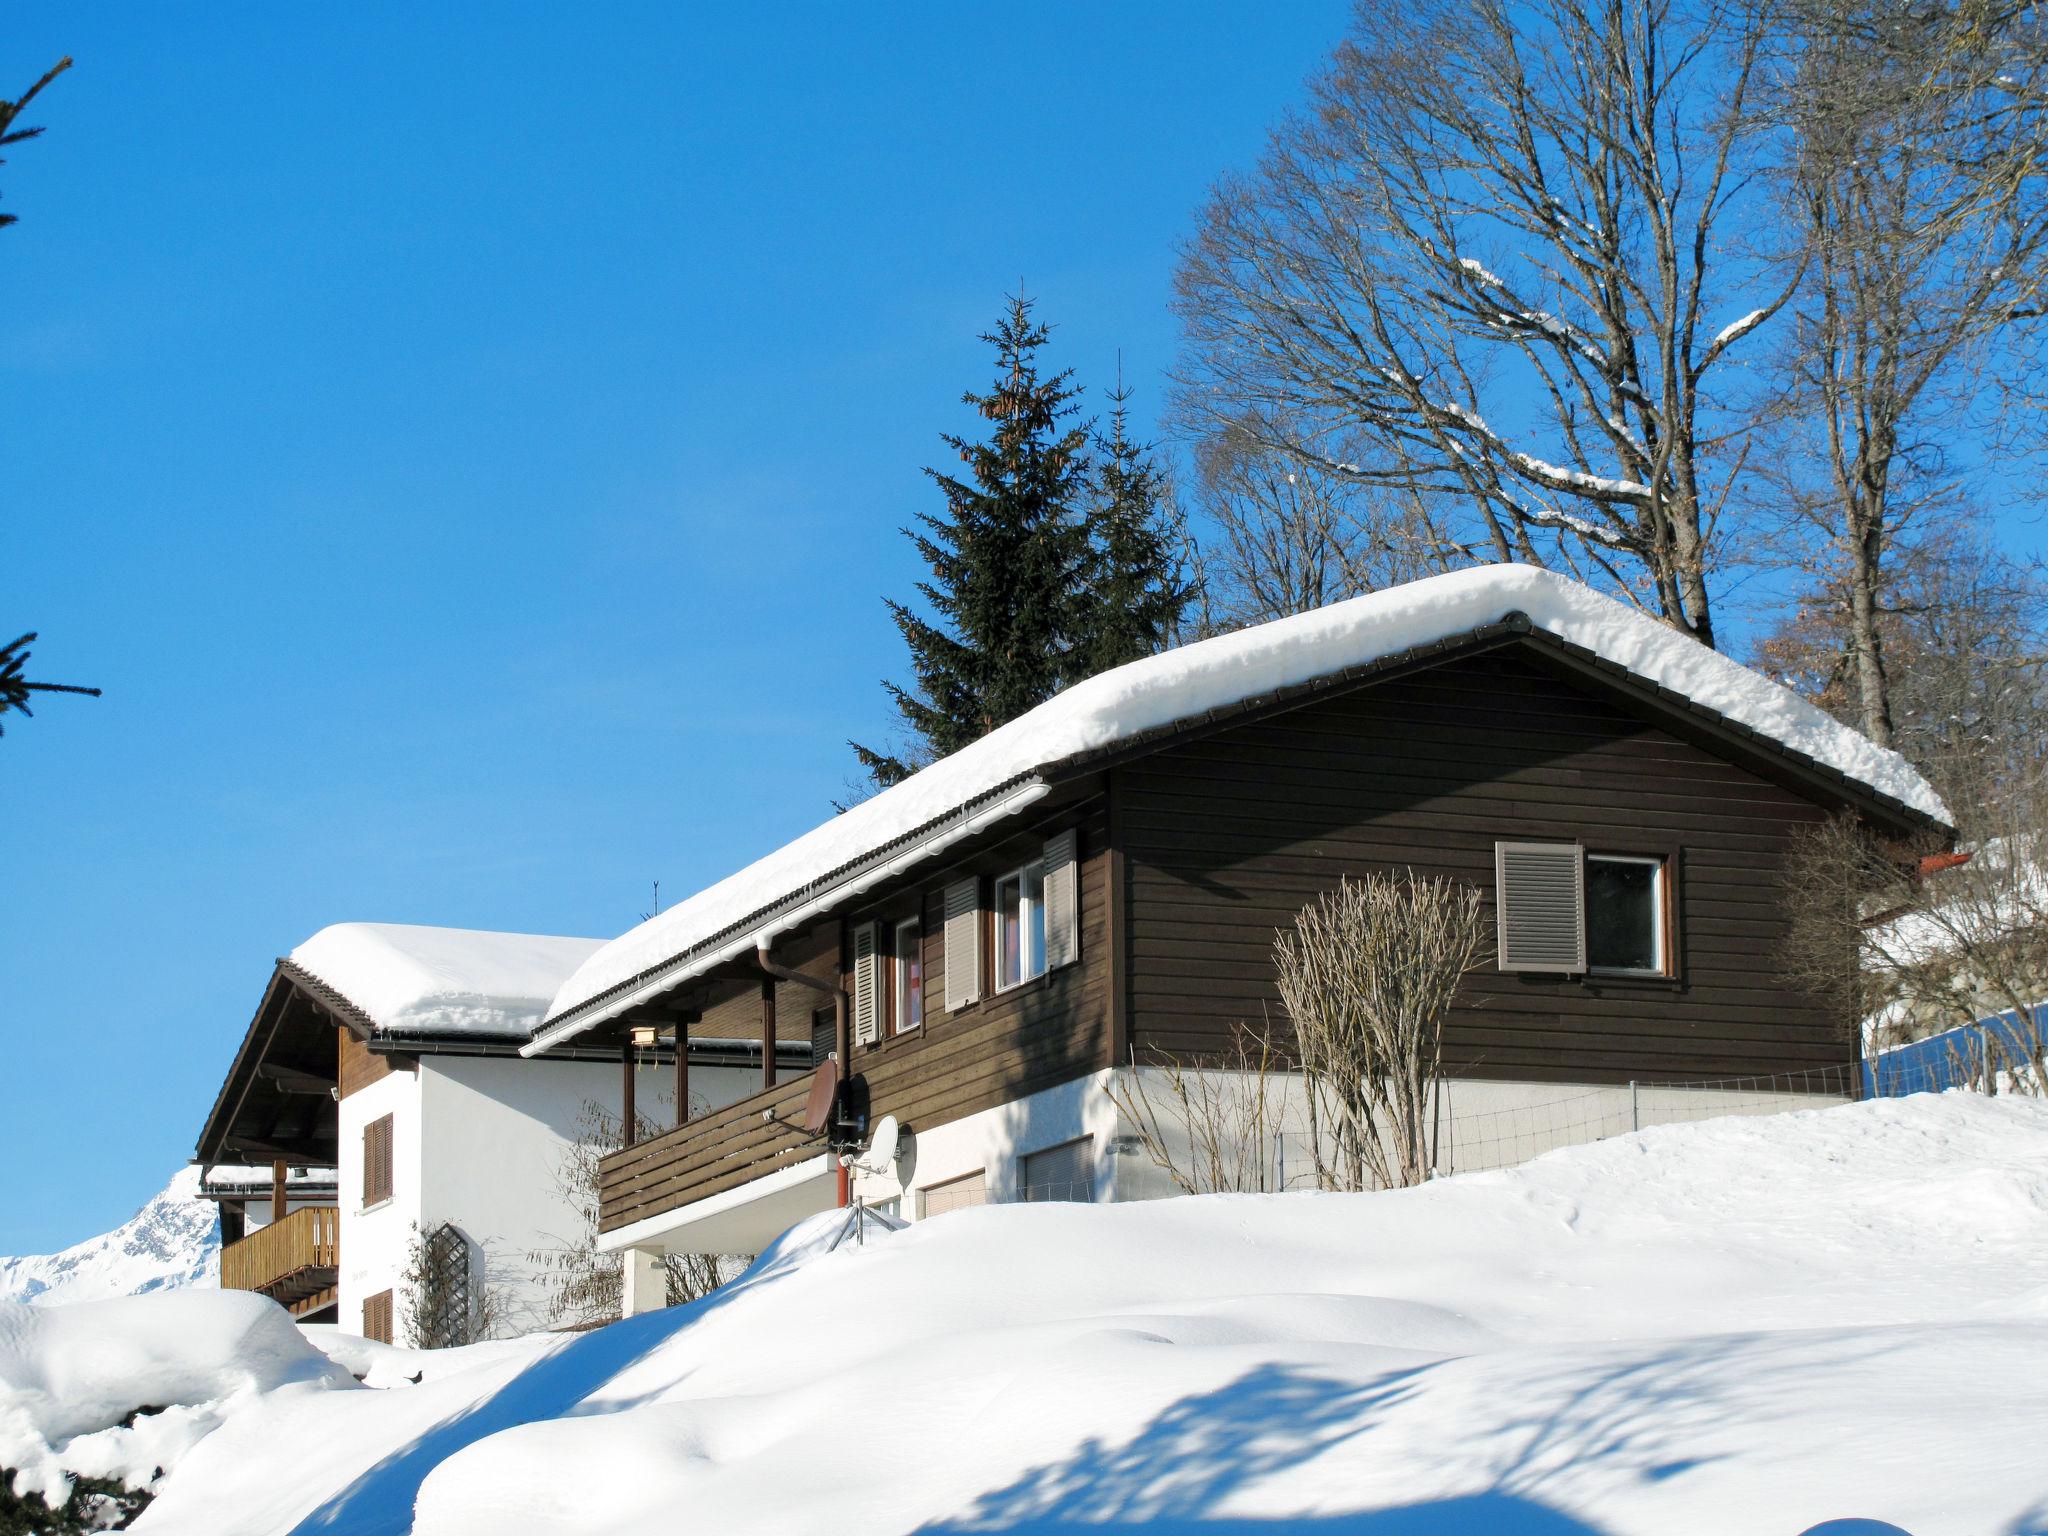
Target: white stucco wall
374,1242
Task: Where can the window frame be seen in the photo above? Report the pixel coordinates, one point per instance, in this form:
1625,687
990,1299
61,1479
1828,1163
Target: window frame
897,975
380,1178
1026,906
1660,914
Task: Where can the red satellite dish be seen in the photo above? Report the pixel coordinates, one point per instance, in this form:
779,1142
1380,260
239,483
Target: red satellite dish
824,1090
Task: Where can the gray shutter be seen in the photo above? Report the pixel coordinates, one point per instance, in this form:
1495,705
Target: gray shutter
1540,904
1062,901
963,943
866,999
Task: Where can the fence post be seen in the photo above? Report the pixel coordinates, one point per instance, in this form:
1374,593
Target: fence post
1635,1111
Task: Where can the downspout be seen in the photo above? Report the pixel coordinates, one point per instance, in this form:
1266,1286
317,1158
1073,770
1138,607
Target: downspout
841,1046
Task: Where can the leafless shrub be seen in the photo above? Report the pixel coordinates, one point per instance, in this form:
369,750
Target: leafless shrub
585,1286
1209,1125
451,1296
1907,946
1367,976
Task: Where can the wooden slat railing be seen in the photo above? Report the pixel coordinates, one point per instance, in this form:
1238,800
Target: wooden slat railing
309,1238
711,1153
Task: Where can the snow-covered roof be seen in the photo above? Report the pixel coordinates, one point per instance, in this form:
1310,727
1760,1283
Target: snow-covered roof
1193,680
415,981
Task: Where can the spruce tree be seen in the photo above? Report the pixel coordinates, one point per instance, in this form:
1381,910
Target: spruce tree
1010,560
1136,593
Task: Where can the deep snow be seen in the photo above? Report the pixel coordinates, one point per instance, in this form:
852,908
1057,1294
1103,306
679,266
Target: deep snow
1191,680
171,1243
1742,1325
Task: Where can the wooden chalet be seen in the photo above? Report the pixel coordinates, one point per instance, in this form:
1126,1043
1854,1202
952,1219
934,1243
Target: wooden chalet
1098,885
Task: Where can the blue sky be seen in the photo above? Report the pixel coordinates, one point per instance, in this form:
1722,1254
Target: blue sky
468,446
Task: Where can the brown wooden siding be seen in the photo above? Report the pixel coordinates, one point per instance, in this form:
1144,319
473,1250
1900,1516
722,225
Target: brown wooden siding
357,1066
1010,1044
1226,837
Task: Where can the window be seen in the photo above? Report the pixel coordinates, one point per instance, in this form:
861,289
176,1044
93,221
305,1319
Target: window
1625,914
824,1035
377,1161
1020,926
1064,1172
954,1194
906,977
377,1317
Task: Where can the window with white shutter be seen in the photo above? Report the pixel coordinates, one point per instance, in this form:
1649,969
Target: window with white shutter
866,972
1062,900
1540,905
963,943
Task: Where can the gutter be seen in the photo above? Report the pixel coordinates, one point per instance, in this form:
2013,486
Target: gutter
671,974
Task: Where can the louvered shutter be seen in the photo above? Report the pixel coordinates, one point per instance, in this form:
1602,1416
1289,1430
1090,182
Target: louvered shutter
377,1161
867,1005
1540,904
963,943
1062,900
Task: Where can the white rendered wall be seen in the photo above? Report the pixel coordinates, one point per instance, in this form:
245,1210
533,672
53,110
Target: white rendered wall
497,1133
375,1242
1479,1124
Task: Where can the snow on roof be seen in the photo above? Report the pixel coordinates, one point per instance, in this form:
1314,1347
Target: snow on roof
1185,683
412,980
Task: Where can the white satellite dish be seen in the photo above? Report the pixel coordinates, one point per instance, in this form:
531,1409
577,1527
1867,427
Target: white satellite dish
880,1155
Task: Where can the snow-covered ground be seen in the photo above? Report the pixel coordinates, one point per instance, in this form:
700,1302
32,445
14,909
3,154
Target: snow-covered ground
172,1242
1737,1326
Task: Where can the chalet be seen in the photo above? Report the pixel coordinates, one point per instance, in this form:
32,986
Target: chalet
1096,885
379,1095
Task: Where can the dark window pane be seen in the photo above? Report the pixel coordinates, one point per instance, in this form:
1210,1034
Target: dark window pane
1621,915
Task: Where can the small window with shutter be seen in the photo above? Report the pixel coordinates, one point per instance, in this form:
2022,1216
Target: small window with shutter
906,977
377,1317
1540,905
963,943
377,1161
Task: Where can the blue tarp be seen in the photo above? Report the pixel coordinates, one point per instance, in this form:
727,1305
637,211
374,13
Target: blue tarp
1956,1057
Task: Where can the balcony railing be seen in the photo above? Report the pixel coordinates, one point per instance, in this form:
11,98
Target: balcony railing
296,1262
730,1146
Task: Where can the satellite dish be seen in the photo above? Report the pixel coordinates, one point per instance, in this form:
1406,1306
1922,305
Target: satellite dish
824,1094
880,1155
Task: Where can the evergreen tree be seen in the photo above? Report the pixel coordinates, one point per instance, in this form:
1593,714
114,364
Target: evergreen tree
1136,594
1010,561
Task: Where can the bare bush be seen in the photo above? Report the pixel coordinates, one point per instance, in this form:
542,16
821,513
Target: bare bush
1367,976
1210,1125
585,1286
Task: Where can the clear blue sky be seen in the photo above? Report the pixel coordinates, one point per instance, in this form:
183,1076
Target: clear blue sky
468,444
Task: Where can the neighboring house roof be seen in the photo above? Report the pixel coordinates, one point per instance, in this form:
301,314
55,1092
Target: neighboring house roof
1005,769
399,979
226,1181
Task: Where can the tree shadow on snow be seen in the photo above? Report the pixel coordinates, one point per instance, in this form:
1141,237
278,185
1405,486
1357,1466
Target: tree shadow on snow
379,1502
1640,1416
1193,1455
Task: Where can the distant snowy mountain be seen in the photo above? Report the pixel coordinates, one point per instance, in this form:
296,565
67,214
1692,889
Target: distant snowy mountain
173,1241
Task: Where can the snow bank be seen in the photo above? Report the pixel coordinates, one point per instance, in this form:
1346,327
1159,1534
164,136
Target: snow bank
172,1242
1186,683
443,981
122,1389
1751,1324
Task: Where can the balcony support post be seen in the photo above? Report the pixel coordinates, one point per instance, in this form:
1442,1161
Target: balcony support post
280,1198
767,1031
628,1116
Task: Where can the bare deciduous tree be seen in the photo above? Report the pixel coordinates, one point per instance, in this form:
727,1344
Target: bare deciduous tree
1917,181
1367,977
1502,263
1289,536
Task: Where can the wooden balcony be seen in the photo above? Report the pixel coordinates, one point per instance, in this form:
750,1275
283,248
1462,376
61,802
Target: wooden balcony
295,1262
712,1153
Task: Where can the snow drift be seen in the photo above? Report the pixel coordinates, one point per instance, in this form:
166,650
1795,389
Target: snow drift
1742,1325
